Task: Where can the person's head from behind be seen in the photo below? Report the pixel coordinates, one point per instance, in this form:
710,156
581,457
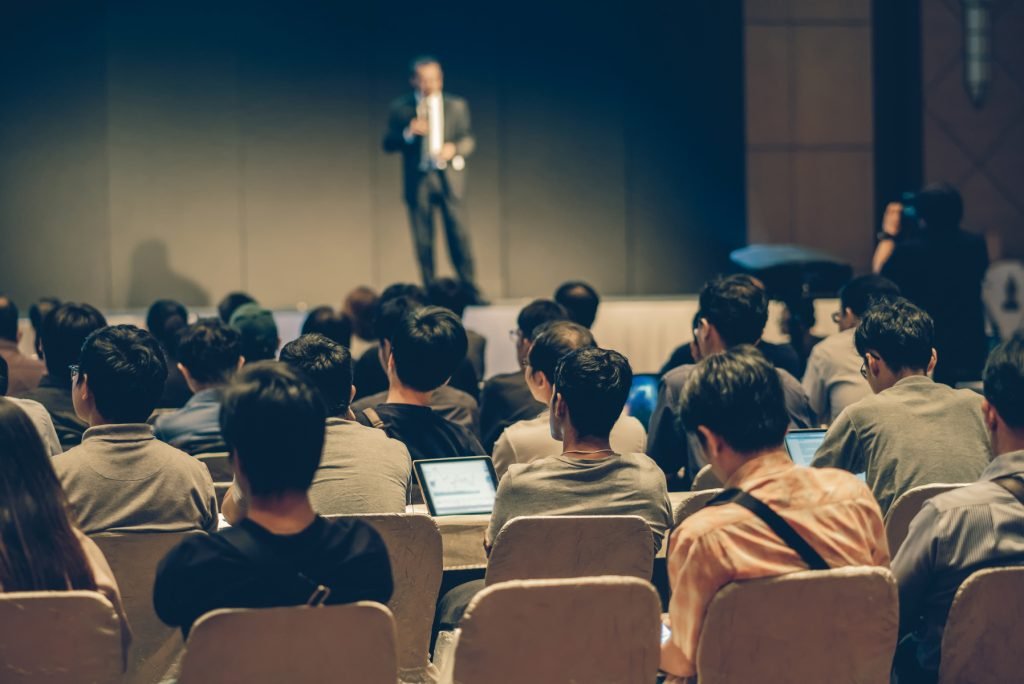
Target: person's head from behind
859,295
258,330
1003,408
38,547
454,295
209,353
427,347
551,343
120,376
531,317
325,321
590,389
733,401
327,365
425,75
36,313
580,300
389,316
359,308
230,303
273,423
8,319
64,332
940,207
733,311
896,339
165,320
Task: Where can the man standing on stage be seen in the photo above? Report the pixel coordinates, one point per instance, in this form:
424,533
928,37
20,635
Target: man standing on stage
431,129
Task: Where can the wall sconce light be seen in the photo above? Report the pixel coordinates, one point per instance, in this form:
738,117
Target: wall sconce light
977,49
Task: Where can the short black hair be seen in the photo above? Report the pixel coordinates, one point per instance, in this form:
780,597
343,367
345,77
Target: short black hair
210,349
737,306
420,60
552,341
454,295
8,319
594,384
537,313
1003,379
390,315
861,293
326,364
428,346
273,422
737,395
126,371
410,290
940,206
165,320
37,312
580,299
232,301
899,331
329,323
64,332
4,377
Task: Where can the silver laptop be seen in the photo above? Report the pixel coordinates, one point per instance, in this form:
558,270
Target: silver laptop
457,486
803,444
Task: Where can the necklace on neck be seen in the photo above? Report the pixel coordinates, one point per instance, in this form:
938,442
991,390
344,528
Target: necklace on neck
586,453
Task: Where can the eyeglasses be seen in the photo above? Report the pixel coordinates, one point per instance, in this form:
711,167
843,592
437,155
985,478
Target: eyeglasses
864,366
74,370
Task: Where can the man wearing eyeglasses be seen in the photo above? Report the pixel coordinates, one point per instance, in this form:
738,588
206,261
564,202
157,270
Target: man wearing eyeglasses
912,431
832,380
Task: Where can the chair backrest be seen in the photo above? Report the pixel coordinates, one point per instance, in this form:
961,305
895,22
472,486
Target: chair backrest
820,626
905,508
219,466
133,556
53,637
551,547
594,629
705,479
354,642
984,633
692,502
414,549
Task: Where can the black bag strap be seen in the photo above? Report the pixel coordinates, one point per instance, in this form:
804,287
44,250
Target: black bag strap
1012,485
777,524
246,544
374,418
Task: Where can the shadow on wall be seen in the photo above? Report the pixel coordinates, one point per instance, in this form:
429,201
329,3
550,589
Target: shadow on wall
153,278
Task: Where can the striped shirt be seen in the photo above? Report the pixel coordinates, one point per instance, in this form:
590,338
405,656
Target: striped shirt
977,526
831,509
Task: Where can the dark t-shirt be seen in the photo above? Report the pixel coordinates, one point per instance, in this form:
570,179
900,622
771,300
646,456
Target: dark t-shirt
207,572
782,356
425,432
369,376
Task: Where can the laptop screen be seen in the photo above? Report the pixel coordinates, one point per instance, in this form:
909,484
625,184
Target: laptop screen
803,444
458,486
643,395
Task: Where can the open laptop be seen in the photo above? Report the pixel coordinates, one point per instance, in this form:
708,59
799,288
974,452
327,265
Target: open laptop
457,486
643,396
802,445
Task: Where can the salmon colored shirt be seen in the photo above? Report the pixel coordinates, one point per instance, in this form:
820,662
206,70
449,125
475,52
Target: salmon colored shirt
831,509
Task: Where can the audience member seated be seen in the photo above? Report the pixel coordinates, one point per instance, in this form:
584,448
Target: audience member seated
453,404
506,398
166,320
580,300
589,477
121,478
36,313
359,308
798,320
209,353
325,321
258,331
832,379
422,352
41,548
282,553
24,372
734,311
456,295
64,331
230,303
529,440
734,401
361,470
912,431
36,412
968,529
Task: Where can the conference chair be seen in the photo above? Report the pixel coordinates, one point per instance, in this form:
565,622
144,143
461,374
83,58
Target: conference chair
693,502
133,557
59,637
594,629
905,508
814,626
705,479
353,642
984,633
414,549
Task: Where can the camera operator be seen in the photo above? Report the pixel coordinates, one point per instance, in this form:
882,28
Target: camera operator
940,267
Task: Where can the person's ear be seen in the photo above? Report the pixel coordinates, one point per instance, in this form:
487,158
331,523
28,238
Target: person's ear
874,365
932,361
711,442
352,395
558,406
241,362
990,415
